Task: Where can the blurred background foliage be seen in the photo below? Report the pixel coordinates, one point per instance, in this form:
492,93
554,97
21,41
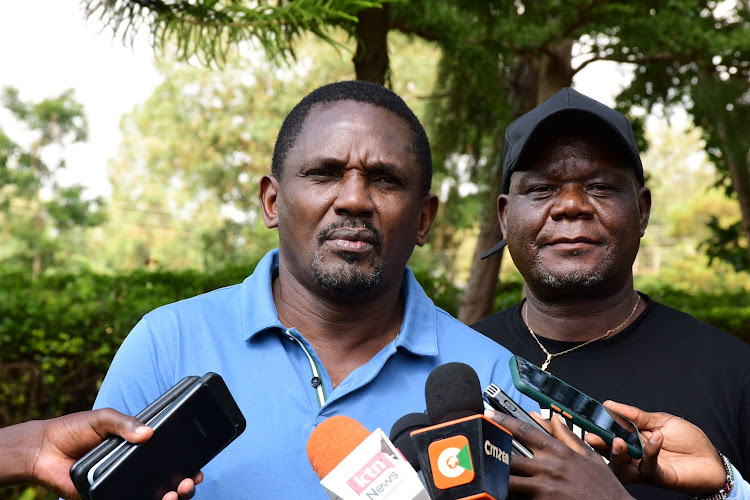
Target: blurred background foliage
76,273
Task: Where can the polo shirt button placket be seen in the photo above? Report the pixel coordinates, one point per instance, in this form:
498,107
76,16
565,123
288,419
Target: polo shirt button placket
315,382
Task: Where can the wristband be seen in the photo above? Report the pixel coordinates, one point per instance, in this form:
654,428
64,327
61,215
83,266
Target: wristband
723,493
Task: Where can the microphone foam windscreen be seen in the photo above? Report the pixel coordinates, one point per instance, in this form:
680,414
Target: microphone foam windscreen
401,438
331,442
453,391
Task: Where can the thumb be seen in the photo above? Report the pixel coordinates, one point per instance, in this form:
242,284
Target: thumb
108,421
649,465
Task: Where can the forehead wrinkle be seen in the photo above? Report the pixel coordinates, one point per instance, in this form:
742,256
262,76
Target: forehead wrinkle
576,163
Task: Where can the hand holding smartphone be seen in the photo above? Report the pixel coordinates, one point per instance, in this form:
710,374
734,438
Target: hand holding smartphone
500,401
192,422
574,405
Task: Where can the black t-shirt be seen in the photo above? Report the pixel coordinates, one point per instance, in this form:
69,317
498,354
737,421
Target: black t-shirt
665,360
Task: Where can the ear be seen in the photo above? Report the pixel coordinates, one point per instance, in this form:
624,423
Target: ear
426,216
268,192
502,211
644,207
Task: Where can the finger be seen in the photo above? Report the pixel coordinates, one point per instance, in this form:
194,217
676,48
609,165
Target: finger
618,454
522,466
186,488
524,433
643,420
526,486
544,422
597,443
649,466
108,421
560,430
622,464
68,492
170,496
617,451
198,478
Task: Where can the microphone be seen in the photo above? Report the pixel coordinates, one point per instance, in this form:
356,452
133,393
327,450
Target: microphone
401,436
354,464
463,454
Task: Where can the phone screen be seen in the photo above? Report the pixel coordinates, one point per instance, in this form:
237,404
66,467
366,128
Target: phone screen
579,403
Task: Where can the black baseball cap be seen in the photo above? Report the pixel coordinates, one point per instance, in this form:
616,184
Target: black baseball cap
566,107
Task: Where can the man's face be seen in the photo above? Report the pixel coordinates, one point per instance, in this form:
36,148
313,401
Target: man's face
349,205
574,217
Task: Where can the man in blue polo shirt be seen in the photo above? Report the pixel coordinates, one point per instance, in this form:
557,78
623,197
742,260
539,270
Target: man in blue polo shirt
331,323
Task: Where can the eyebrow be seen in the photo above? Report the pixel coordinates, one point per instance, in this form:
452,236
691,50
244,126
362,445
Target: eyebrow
334,162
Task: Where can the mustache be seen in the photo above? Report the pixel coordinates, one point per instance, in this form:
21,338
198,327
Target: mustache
352,224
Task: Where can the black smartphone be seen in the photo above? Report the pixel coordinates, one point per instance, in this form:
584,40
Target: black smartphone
189,431
500,401
574,405
79,471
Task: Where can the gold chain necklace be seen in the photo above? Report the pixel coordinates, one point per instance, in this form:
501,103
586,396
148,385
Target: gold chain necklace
550,356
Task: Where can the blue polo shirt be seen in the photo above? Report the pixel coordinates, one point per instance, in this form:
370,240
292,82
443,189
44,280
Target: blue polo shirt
280,384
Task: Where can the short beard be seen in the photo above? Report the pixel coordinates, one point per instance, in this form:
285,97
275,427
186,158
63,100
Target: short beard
571,280
346,279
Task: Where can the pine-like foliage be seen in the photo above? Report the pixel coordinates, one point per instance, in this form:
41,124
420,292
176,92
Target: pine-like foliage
208,29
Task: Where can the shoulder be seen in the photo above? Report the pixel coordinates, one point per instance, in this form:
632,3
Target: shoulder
491,324
209,302
688,330
458,342
456,330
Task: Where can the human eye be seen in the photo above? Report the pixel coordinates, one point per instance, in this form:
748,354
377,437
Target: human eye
539,190
601,188
387,179
320,173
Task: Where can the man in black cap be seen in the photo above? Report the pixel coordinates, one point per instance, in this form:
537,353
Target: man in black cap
572,210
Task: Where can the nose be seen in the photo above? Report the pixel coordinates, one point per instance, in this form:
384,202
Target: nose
571,202
354,196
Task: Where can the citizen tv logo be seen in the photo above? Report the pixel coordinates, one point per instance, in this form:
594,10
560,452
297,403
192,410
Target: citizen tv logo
450,460
375,477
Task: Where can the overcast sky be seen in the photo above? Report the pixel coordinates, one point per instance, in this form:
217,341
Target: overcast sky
46,47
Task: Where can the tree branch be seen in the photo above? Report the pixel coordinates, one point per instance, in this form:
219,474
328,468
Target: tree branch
646,58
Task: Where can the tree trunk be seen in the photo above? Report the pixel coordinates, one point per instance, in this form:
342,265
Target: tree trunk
739,170
555,71
537,79
479,296
371,57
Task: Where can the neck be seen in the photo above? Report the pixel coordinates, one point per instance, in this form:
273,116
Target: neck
346,332
583,318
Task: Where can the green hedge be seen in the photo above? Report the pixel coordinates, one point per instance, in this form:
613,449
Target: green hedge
58,334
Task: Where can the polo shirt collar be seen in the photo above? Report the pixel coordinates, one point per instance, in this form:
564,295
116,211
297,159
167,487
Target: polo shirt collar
258,308
418,332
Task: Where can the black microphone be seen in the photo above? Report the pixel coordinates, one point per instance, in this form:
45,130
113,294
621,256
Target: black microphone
463,454
401,435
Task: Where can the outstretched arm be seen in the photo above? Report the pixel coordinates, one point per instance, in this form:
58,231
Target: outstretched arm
43,451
